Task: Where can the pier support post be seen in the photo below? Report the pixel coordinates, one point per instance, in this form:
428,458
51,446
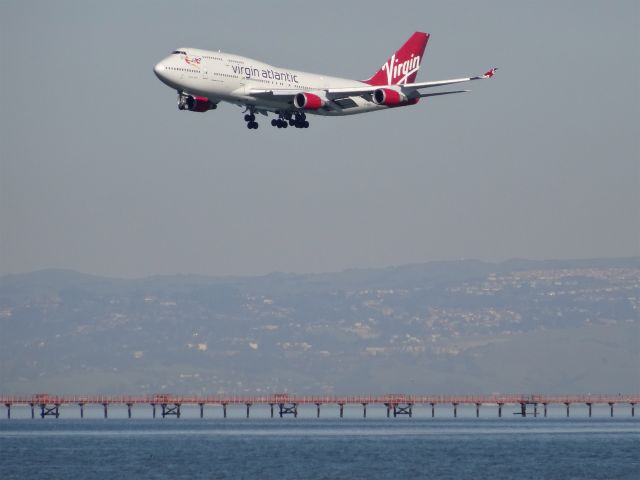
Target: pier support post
317,410
167,410
433,410
545,410
105,409
523,409
224,410
477,410
153,405
455,410
81,405
364,410
633,410
33,412
535,410
129,405
589,405
567,404
500,410
388,409
201,410
402,409
248,408
8,405
341,409
288,409
271,405
47,411
611,406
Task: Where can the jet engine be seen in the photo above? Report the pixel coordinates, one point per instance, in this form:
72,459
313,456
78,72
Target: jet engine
308,101
389,97
194,103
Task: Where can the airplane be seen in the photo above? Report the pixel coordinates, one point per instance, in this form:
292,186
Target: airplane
205,78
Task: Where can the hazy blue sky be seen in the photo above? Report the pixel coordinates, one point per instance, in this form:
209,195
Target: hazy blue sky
100,172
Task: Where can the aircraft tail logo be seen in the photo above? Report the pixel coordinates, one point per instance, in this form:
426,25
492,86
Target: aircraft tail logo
403,65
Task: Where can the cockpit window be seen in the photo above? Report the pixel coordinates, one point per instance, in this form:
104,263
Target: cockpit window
179,51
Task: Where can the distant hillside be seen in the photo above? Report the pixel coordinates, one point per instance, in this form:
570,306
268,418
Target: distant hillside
440,327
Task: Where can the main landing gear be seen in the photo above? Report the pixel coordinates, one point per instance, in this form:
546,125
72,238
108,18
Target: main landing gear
250,118
285,119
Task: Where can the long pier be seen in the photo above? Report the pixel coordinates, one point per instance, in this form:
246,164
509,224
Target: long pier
287,404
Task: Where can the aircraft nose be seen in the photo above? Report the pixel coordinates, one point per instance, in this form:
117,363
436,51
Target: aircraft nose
159,70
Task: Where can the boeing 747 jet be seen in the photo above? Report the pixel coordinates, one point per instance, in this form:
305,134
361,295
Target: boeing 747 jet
205,78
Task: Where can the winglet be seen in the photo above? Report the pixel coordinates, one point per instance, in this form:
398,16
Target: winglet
490,73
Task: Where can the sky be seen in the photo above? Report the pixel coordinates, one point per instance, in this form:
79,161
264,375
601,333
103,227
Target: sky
100,172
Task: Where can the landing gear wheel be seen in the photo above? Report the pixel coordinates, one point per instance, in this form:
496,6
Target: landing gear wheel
274,122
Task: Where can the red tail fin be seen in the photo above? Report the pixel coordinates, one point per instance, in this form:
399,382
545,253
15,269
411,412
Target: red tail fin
403,65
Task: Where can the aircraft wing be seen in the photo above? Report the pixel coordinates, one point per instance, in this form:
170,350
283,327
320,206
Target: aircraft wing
407,88
410,89
439,83
275,92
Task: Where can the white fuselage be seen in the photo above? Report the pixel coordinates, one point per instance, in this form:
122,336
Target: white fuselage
227,77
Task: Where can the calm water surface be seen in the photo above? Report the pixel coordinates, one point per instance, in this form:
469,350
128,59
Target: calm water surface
349,448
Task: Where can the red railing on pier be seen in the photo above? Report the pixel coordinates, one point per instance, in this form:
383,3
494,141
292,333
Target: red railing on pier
275,399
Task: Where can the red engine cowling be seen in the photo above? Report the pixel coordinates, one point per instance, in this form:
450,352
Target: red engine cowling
308,101
389,97
194,103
